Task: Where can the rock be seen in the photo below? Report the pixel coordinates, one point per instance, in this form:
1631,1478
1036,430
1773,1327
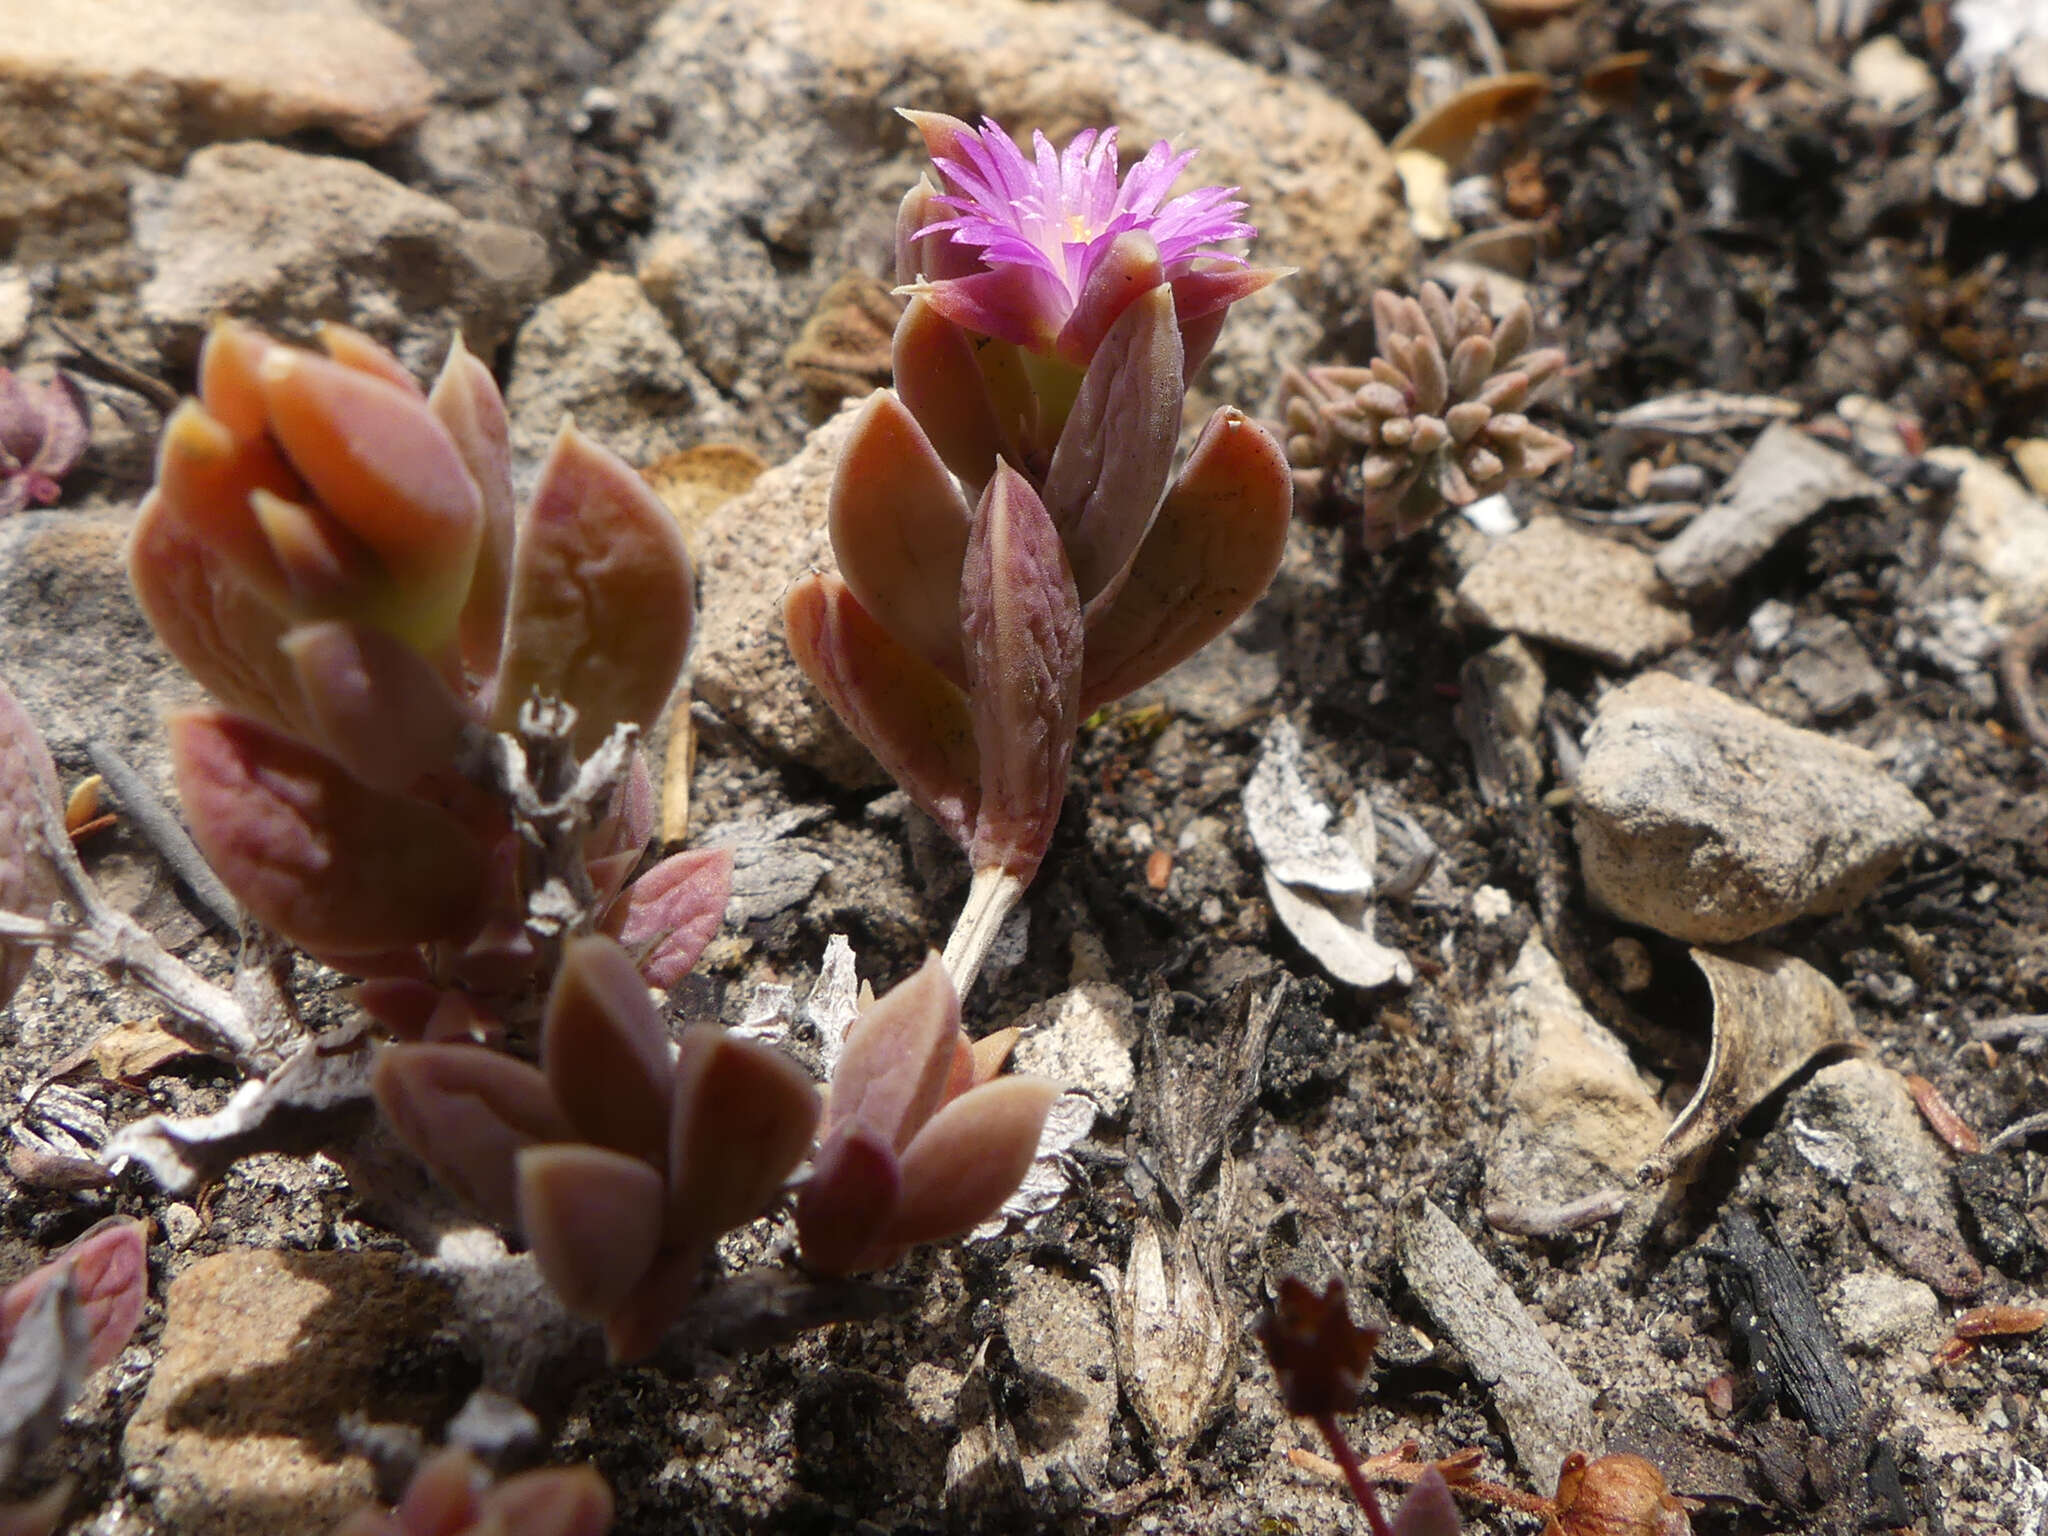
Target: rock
1061,1338
359,248
784,162
1824,672
92,88
1997,532
1890,79
1573,589
1580,1119
603,354
1857,1123
17,303
1082,1040
263,1351
747,554
1879,1313
1708,820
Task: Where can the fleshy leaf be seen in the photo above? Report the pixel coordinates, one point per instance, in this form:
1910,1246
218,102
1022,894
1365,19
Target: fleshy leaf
850,1197
666,917
1428,1510
109,1268
1116,450
602,595
206,474
379,461
379,708
969,1159
637,1323
353,349
907,714
1126,271
466,399
552,1501
944,387
594,1219
329,862
29,882
899,528
465,1112
1022,619
1212,551
605,1052
898,1058
744,1117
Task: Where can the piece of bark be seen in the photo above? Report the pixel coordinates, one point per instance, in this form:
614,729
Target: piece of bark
1793,1353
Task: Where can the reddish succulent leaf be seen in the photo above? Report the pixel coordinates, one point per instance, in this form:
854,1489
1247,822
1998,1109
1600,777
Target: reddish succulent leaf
352,349
1212,551
942,385
554,1501
328,862
593,1217
637,1324
210,615
745,1114
969,1159
29,882
907,714
605,1052
899,528
1022,620
1128,270
109,1268
466,1112
1116,449
376,705
666,917
206,474
898,1058
853,1191
601,602
443,1498
1428,1510
381,464
466,399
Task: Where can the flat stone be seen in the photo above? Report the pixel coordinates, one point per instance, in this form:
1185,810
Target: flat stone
748,552
263,1352
1576,590
783,164
1060,1334
602,354
1709,820
1580,1119
1824,673
359,248
1877,1312
90,89
1082,1040
1997,531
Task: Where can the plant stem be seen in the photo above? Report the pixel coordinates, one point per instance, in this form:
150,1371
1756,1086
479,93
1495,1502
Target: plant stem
1354,1474
990,899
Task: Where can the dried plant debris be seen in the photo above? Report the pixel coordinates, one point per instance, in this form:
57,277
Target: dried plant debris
1702,413
1772,1015
1547,1412
1434,421
1319,881
1786,478
1793,1354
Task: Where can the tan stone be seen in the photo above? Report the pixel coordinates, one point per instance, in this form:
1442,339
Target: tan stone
89,88
263,1351
1573,589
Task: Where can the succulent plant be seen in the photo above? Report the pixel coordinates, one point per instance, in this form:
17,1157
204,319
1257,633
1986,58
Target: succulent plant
43,433
452,1495
1014,547
1435,419
337,556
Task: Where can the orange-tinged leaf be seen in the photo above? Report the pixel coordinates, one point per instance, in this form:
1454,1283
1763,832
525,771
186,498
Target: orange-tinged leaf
899,527
554,1501
744,1117
593,1217
327,861
666,917
602,595
1211,553
942,385
228,365
466,399
465,1111
605,1052
206,475
898,704
898,1057
969,1159
379,708
109,1268
352,349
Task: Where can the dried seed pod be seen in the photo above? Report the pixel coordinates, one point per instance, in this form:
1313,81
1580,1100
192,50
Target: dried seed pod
1432,422
1619,1495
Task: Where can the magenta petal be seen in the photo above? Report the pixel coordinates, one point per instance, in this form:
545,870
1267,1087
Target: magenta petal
1022,619
1020,304
1116,450
667,916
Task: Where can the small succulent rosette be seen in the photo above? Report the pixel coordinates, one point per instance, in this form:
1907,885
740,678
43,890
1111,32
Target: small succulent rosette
1015,548
337,556
1435,420
43,434
621,1158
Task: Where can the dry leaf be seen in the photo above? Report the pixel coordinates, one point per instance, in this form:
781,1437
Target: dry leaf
1450,128
135,1049
1772,1015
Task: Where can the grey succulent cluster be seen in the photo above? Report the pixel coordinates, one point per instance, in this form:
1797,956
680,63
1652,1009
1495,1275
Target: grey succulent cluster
1434,421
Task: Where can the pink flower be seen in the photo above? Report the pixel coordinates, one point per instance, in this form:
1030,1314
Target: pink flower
1046,251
